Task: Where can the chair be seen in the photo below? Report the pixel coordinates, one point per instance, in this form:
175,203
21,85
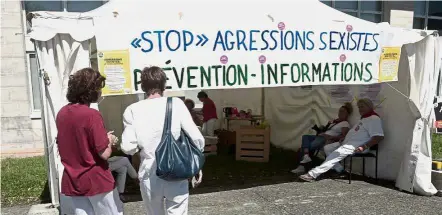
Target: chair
369,154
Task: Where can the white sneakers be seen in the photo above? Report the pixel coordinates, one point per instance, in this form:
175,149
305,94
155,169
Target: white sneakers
306,159
299,170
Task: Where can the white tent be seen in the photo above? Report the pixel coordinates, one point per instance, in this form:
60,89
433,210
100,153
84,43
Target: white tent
63,46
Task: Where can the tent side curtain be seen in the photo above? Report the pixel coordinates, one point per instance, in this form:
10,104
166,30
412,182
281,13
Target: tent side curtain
415,172
58,58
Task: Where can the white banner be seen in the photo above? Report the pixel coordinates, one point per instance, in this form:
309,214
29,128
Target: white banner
217,46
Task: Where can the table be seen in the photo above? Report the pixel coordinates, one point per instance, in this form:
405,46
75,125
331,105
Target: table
252,120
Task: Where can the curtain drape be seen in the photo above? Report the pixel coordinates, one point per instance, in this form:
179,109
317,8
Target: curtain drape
58,58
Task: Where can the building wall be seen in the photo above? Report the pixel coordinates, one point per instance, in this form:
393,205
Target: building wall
20,135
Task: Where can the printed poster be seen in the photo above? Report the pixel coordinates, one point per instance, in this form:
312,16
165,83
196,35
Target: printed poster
115,66
389,64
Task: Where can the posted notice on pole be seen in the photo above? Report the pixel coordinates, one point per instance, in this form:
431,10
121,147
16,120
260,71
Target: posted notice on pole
201,48
389,64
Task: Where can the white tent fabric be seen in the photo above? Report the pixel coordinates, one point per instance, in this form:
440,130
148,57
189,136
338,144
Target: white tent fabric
424,63
58,57
46,25
62,42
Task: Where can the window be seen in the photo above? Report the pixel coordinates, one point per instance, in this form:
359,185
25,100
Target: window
34,84
367,10
428,15
33,70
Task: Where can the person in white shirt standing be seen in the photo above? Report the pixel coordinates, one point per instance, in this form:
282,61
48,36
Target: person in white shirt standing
143,131
337,130
365,134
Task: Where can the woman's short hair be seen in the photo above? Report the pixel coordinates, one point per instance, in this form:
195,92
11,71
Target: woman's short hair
84,86
191,102
348,107
202,94
153,80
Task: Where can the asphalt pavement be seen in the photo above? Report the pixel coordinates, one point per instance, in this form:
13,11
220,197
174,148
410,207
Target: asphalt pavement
323,197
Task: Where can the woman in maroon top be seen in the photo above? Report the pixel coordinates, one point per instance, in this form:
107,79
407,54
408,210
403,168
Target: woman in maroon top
84,146
209,114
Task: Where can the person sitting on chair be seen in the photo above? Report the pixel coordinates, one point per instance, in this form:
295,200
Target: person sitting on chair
122,166
365,134
337,129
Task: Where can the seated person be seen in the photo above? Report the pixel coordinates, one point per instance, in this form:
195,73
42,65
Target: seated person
190,104
122,166
365,134
338,129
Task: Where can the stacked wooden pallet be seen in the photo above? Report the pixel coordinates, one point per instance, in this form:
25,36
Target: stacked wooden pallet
211,145
253,144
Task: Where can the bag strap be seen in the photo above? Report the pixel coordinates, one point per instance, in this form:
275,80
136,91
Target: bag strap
168,117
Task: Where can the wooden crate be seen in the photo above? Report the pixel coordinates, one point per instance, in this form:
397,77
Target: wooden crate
210,148
253,144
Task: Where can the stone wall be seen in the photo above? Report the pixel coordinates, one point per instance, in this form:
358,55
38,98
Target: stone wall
20,136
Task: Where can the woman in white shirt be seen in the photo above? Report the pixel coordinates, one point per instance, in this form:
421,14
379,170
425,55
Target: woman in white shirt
143,129
336,131
365,134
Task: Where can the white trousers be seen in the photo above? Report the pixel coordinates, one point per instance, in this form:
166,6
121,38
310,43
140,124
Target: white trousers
162,197
328,149
209,128
102,204
334,157
122,166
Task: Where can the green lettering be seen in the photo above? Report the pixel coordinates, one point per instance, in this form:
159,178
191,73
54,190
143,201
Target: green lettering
228,75
293,74
316,71
167,77
179,79
368,68
243,75
282,71
136,82
190,77
273,72
216,67
359,71
326,73
262,74
348,79
335,65
205,76
305,70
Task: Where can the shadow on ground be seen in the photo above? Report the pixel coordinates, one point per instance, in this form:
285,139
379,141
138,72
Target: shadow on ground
223,173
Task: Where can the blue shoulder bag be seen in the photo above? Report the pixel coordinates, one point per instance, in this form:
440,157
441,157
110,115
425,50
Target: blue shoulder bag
177,159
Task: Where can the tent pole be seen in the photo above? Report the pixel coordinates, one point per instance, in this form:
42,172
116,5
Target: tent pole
263,97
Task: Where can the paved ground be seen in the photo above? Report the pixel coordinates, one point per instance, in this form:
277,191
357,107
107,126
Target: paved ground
323,197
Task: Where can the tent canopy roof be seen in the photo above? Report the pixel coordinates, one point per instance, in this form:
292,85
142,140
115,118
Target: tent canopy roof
45,25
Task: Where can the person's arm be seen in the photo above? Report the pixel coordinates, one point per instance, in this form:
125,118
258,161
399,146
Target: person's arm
188,125
375,131
129,142
99,137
